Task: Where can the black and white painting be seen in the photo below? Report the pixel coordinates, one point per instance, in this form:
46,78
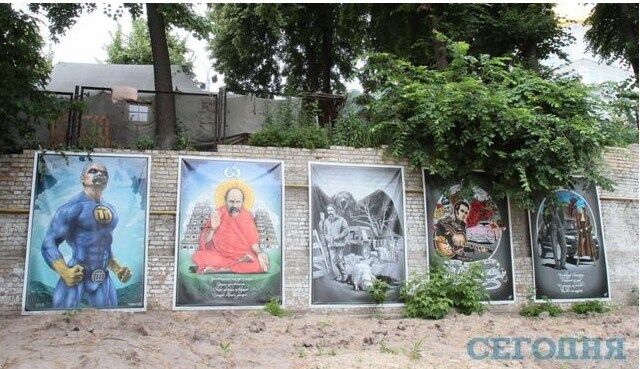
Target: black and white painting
357,232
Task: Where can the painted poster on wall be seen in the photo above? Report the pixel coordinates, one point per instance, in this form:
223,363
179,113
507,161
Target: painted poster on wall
229,233
568,252
87,232
357,231
466,227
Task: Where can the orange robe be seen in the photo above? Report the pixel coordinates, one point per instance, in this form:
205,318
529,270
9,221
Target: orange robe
230,242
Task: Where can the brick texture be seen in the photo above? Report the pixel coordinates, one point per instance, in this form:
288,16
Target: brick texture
619,214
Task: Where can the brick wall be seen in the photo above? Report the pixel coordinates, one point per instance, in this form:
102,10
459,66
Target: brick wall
619,213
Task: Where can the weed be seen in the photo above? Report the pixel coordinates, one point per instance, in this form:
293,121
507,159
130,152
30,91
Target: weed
145,143
378,290
592,306
532,309
388,349
274,308
414,353
225,348
68,315
431,296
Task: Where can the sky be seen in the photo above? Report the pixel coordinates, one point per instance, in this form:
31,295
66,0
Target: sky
85,42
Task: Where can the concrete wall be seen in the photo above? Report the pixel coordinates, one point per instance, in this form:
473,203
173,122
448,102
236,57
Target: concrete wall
619,214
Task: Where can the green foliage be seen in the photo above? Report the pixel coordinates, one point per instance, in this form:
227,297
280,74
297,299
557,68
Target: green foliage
145,143
135,48
591,306
430,296
311,46
414,352
411,31
613,33
291,127
532,309
528,134
618,107
467,291
24,73
378,290
351,130
274,308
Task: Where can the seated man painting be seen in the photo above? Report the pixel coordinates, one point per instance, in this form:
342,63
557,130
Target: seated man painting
229,240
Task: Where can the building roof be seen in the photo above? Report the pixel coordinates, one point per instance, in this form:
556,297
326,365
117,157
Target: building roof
66,76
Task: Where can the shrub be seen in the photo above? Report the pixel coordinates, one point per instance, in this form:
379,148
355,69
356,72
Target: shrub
145,143
430,296
351,130
274,308
592,306
467,292
378,290
532,309
528,133
287,127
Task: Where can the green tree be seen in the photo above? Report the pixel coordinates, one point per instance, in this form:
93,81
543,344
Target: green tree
24,73
416,32
529,134
614,33
312,46
135,48
159,17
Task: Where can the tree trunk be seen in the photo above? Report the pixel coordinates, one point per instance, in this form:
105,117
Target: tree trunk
165,100
439,47
529,52
327,46
630,36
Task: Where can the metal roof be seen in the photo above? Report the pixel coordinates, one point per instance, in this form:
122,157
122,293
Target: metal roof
65,76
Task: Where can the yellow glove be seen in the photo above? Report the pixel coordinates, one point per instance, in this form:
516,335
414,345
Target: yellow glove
71,276
123,273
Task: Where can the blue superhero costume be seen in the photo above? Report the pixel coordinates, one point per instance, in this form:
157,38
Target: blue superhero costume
86,225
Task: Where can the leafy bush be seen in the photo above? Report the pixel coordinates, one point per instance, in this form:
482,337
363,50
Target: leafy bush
288,127
529,134
618,107
378,290
430,296
145,143
351,130
592,306
274,308
532,309
467,292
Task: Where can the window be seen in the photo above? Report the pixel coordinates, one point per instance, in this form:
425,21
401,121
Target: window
138,113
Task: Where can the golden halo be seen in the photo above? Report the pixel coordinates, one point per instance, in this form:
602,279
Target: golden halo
224,187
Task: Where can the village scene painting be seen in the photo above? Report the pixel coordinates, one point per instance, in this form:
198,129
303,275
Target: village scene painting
357,232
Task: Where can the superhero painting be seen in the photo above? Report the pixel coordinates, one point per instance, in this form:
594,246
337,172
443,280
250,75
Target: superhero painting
87,233
467,224
229,238
567,244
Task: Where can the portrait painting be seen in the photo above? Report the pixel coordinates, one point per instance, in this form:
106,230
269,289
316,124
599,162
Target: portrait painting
357,232
567,245
468,224
229,233
87,236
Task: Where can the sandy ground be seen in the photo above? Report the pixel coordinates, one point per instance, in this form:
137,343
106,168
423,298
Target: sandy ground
254,339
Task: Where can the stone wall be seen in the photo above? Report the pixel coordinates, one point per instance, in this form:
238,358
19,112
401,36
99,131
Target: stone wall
619,214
